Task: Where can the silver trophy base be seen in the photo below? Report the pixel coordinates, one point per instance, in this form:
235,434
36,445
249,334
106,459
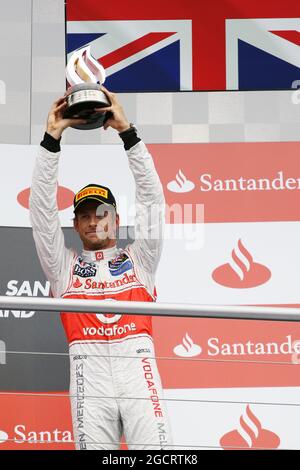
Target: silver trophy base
82,99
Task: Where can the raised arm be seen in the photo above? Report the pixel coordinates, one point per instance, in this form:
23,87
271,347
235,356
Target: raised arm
150,205
149,193
47,232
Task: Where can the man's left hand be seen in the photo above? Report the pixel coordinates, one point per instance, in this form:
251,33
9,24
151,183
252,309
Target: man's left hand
118,119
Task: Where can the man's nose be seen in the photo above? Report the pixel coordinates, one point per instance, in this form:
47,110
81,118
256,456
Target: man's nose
93,221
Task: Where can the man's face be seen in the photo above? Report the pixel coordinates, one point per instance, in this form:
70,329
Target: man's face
96,225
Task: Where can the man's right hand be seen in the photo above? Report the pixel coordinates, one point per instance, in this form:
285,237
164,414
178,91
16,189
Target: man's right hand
56,123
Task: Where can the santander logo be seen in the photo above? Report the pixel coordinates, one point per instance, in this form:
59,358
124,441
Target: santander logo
250,435
181,184
241,272
23,436
187,348
64,198
77,283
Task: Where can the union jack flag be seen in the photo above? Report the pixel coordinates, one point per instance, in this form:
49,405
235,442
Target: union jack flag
138,55
216,45
262,53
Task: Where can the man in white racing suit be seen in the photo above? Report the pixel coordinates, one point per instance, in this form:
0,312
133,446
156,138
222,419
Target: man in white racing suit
115,386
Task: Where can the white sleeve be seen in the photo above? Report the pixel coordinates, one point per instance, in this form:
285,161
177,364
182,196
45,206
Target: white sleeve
54,257
150,213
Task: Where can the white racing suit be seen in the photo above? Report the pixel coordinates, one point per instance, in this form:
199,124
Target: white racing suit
115,386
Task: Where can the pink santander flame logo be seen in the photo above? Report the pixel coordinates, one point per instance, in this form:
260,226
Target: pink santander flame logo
187,348
181,184
250,435
241,271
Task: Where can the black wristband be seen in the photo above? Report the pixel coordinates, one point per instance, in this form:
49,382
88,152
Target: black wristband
50,143
129,137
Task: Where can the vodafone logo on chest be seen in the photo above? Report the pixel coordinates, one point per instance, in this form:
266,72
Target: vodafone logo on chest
99,255
113,330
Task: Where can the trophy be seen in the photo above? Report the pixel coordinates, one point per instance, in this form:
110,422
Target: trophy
85,76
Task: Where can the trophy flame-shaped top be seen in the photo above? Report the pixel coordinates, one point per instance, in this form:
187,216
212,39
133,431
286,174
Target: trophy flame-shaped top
82,67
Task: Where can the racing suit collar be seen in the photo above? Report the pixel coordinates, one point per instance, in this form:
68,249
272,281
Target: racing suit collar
99,255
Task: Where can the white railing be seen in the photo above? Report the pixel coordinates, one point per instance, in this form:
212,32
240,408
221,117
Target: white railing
149,308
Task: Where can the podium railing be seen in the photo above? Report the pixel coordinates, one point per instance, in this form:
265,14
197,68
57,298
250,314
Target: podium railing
153,309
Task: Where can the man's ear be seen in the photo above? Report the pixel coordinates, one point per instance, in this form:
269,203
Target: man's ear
75,223
117,220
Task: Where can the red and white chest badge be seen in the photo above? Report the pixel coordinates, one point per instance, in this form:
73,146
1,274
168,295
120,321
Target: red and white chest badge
99,255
